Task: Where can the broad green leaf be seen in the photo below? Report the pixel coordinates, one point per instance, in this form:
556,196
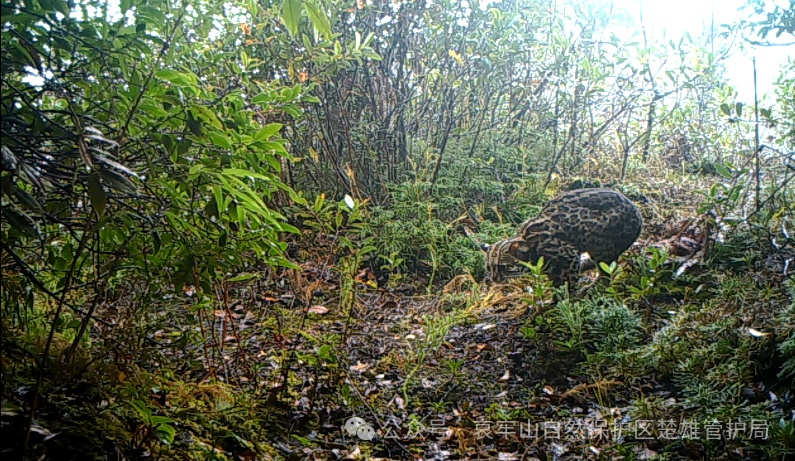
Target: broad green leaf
220,140
195,127
289,228
240,173
267,131
207,115
182,79
319,201
116,180
26,200
274,146
153,109
168,143
319,20
125,5
97,194
244,277
219,197
725,109
371,54
723,171
211,209
156,241
291,15
20,222
738,109
272,161
184,145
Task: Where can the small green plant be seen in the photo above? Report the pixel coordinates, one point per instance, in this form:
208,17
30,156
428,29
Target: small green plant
540,286
497,412
782,435
613,272
436,328
439,406
570,318
653,273
152,428
722,200
528,332
453,365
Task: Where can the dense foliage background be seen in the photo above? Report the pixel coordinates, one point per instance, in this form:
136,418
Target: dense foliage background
188,188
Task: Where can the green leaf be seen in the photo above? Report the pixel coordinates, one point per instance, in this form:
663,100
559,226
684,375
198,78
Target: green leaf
220,140
738,108
319,201
116,180
240,173
157,243
195,126
211,209
263,99
290,228
218,194
97,194
164,431
274,146
182,79
20,222
143,411
725,109
184,145
244,277
267,131
723,171
153,109
291,15
319,20
27,200
272,161
207,115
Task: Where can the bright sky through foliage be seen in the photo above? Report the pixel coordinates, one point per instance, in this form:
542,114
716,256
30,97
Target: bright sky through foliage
671,19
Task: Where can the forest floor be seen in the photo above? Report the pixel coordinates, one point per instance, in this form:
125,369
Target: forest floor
316,364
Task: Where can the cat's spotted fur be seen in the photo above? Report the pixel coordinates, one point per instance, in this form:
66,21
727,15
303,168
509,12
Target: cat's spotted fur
600,222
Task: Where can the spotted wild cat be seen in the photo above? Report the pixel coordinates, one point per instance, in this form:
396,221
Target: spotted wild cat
600,222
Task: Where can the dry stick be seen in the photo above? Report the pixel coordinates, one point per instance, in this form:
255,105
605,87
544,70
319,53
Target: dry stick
555,139
445,136
244,356
757,166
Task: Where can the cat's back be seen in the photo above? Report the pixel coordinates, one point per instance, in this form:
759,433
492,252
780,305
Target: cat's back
578,214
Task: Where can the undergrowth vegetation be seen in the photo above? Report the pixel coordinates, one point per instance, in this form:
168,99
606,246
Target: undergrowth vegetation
240,230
